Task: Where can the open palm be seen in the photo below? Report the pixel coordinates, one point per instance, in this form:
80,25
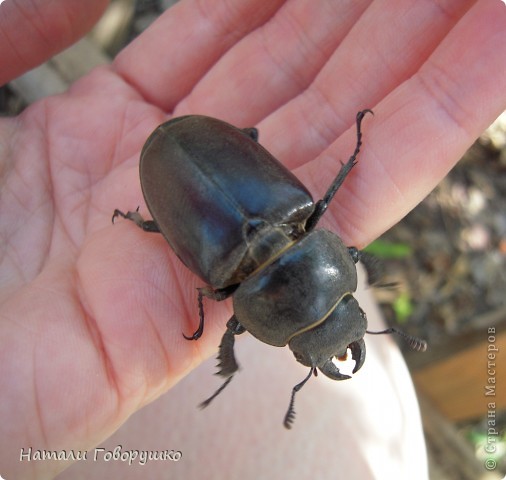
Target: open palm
91,314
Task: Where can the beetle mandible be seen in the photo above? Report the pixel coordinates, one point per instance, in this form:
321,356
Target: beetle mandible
242,222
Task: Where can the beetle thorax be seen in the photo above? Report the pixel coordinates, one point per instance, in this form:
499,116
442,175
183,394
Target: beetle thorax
297,290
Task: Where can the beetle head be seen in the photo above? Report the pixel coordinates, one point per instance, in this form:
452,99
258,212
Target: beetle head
344,328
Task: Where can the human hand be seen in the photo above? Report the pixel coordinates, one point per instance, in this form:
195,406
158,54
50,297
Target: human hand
92,314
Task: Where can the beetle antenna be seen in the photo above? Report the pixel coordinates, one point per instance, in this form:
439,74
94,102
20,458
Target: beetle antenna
418,344
290,414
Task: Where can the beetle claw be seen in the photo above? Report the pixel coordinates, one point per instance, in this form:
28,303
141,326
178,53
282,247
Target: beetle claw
136,217
200,330
358,354
196,335
331,371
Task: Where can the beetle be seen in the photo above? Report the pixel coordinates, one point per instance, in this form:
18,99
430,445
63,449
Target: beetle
236,217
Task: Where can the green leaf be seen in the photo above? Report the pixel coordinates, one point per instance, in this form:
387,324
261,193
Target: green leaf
403,307
384,249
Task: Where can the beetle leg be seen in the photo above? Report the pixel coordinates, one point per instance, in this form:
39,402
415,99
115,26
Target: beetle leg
218,295
200,330
251,132
322,205
373,266
227,363
136,217
290,414
355,254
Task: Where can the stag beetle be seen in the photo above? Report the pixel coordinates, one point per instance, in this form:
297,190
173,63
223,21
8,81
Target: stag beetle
243,223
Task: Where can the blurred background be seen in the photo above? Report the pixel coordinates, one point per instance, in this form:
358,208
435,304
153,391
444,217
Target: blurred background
446,260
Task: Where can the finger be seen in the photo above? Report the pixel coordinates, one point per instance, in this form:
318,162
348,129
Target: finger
31,31
166,61
388,44
421,129
274,63
280,60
